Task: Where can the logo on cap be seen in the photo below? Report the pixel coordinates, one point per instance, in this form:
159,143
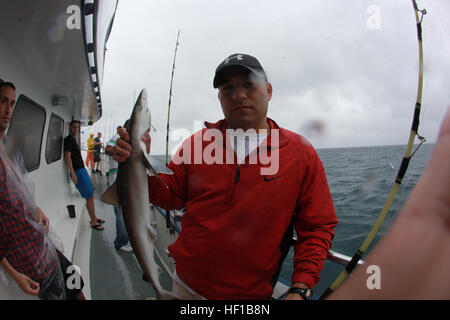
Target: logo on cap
231,58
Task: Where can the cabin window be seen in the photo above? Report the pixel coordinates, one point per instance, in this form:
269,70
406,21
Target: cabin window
26,130
53,150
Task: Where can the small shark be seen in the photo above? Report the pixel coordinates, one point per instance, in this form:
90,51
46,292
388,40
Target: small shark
130,194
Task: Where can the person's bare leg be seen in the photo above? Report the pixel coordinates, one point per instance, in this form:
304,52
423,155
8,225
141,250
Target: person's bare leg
91,210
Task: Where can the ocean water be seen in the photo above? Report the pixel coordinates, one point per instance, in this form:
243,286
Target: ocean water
360,181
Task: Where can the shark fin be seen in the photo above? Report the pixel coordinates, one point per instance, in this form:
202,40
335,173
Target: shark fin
111,196
153,165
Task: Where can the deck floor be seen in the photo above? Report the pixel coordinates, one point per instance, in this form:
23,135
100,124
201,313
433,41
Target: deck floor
114,274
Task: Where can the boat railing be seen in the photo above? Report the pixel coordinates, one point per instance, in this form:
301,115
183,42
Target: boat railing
336,257
340,258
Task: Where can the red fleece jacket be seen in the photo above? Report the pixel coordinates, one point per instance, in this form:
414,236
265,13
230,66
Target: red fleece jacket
236,215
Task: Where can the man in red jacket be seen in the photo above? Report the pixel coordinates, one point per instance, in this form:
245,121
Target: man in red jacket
245,183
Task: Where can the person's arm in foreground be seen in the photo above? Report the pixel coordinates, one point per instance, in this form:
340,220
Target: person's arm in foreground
414,256
28,286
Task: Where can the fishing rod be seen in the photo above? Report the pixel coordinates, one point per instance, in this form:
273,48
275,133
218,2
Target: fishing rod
168,224
170,100
403,167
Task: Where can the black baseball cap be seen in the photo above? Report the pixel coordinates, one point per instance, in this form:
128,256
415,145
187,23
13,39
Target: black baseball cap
241,60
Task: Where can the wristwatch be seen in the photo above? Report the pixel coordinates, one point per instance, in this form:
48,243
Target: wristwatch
305,293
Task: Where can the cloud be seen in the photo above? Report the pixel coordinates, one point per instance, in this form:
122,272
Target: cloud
325,64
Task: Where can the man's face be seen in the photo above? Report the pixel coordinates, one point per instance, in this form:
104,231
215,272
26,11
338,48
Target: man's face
244,99
7,102
99,135
74,127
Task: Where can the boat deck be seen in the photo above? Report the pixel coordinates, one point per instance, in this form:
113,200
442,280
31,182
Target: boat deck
114,274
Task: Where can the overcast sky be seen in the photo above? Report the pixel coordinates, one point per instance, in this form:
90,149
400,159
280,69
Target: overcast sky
349,66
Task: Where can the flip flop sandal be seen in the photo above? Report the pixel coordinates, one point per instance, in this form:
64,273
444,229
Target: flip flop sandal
98,227
101,221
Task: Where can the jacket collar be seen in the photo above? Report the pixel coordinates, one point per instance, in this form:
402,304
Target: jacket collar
283,141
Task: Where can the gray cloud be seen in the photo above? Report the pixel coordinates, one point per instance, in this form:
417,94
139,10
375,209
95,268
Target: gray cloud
326,66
